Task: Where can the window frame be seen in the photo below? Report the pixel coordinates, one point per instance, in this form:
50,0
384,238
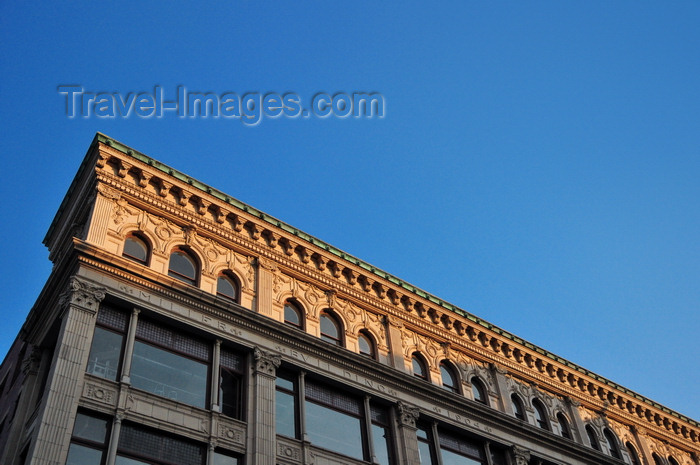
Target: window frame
446,367
632,452
479,393
417,359
541,417
136,237
363,333
593,438
564,426
89,443
294,306
518,407
330,316
232,280
192,258
613,446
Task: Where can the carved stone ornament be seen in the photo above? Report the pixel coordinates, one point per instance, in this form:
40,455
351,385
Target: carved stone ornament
521,456
408,415
108,192
82,294
266,362
267,264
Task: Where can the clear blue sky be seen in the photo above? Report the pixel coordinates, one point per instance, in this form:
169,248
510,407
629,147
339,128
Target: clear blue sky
538,164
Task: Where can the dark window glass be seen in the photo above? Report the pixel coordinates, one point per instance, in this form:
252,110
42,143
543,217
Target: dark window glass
157,448
127,461
292,315
657,459
419,369
612,443
182,267
633,454
226,287
286,407
169,375
105,354
457,450
564,426
136,249
518,409
79,454
330,329
478,391
220,458
672,461
89,438
381,435
366,344
230,382
449,379
425,449
333,420
540,414
592,438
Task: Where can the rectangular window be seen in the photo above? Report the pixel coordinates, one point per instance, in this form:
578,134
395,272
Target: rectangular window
453,449
170,364
88,442
230,383
139,445
381,435
424,446
107,343
286,406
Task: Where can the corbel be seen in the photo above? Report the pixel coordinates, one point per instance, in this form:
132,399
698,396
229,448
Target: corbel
336,269
165,187
351,276
221,215
272,238
394,297
255,230
304,254
366,283
124,168
380,290
202,206
320,260
144,177
238,223
289,247
184,197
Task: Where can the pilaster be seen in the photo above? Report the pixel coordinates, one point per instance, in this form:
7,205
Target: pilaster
265,283
406,437
263,411
101,212
395,337
80,304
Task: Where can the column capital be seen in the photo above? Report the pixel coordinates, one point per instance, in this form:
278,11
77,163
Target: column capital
82,294
266,362
521,456
408,414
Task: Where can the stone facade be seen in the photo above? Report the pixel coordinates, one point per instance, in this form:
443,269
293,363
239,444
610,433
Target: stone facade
197,375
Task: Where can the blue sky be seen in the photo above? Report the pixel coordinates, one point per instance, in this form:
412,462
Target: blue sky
537,164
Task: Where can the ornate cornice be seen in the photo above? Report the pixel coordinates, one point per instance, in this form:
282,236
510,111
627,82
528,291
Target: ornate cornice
244,229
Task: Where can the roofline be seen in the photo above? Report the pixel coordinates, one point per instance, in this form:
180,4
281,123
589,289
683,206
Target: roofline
102,138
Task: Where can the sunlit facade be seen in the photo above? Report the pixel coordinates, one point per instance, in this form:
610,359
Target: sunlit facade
182,327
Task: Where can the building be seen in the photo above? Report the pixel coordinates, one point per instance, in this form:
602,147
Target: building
183,327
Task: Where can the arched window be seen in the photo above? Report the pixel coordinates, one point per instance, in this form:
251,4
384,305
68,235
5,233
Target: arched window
293,314
564,426
633,454
478,391
592,437
672,461
136,249
449,377
518,409
366,344
183,266
657,459
330,328
420,369
540,414
227,286
612,443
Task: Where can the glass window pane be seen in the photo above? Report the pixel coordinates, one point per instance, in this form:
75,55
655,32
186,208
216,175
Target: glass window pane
90,428
382,444
291,315
418,368
329,330
448,379
81,455
424,452
334,431
169,375
451,458
229,393
127,461
182,267
105,354
284,414
134,248
222,459
225,287
366,346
